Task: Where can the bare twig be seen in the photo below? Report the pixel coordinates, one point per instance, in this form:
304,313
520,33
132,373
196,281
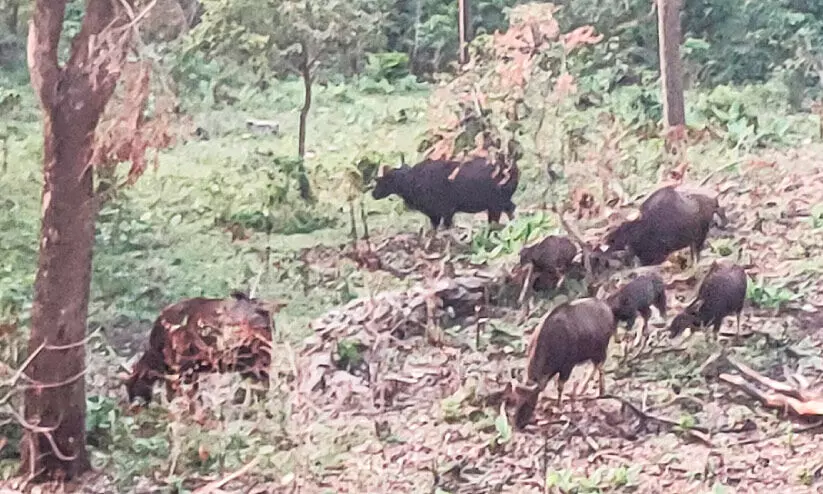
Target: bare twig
217,484
526,283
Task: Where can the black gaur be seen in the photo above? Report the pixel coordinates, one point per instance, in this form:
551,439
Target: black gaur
550,259
438,190
571,334
669,221
722,293
637,297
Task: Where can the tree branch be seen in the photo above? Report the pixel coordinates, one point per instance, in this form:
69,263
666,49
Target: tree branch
98,54
41,49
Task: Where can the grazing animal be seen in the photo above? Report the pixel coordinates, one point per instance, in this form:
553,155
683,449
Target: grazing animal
708,200
438,190
722,293
200,335
571,334
669,221
550,258
637,297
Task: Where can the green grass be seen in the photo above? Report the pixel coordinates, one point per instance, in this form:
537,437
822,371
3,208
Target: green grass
157,241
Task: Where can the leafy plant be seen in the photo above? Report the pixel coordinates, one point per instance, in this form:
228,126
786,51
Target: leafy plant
602,479
770,296
389,66
488,243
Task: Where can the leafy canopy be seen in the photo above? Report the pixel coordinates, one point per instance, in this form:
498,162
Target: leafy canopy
282,36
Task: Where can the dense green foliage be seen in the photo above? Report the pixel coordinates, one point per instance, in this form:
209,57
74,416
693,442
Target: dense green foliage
724,42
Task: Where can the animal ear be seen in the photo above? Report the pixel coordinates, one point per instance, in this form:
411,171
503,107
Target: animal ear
381,172
124,376
238,295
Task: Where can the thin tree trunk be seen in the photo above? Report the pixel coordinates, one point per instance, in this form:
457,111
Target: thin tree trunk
671,71
305,73
72,99
463,29
14,18
418,13
364,219
4,156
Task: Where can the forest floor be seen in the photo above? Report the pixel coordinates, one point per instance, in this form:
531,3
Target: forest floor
430,420
421,412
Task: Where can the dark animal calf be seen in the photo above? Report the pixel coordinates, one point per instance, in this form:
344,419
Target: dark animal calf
438,190
550,259
204,335
571,334
669,221
722,293
637,297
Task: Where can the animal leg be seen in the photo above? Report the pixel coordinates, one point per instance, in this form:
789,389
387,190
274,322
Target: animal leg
435,221
660,303
432,234
560,384
171,389
581,387
642,334
510,207
448,220
737,333
694,257
601,378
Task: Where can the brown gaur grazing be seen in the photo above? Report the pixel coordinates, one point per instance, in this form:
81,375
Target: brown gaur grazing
550,259
669,221
200,335
571,334
722,293
637,297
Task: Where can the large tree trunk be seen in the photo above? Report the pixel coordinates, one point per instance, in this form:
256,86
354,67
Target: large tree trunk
61,300
671,71
72,98
303,179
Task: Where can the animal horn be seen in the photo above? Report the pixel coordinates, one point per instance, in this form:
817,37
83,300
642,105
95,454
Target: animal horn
381,171
402,158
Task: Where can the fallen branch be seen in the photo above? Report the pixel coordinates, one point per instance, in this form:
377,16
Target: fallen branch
644,415
771,383
775,399
217,484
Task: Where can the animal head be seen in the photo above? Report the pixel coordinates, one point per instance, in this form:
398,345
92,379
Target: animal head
720,218
138,386
526,255
252,312
620,237
686,319
525,401
386,182
140,383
